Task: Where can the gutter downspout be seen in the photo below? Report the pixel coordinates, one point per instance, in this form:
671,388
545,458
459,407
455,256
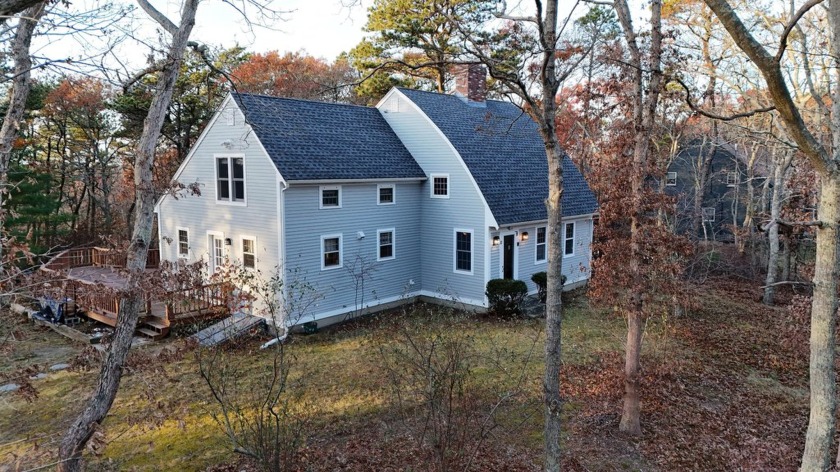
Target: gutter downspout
281,238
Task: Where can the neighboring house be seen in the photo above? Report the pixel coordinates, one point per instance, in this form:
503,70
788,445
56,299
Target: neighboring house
424,195
720,175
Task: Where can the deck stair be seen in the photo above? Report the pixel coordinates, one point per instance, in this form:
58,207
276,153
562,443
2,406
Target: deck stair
153,327
229,328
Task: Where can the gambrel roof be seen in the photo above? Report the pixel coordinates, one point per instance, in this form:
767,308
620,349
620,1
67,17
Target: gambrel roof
505,154
310,141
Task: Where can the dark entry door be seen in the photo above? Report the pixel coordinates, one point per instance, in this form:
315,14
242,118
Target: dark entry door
508,256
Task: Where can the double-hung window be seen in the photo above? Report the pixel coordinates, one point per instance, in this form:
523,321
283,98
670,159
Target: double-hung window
330,251
386,244
331,197
671,179
541,244
708,214
183,244
569,240
249,252
463,250
230,179
385,194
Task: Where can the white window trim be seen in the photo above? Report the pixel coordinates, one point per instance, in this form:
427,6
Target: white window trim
340,251
211,251
538,261
393,244
455,251
242,238
393,188
321,196
714,214
574,238
432,187
668,179
178,230
229,156
736,180
230,115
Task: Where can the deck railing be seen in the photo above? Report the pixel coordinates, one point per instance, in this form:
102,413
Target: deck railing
198,300
180,304
97,256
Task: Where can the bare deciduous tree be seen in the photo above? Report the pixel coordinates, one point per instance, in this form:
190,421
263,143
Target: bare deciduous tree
17,105
98,405
826,162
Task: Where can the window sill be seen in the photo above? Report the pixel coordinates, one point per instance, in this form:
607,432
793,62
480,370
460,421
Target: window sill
229,203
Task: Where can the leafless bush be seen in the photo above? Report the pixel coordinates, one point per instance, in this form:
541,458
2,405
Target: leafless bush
434,368
258,398
259,405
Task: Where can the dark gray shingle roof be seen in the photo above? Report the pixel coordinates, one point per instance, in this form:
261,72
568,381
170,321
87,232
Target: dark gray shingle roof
309,140
503,150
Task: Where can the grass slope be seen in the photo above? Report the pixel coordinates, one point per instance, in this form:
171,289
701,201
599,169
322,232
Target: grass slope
724,388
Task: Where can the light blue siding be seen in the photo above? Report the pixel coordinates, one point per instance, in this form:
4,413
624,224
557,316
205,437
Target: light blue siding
359,212
576,267
464,209
200,214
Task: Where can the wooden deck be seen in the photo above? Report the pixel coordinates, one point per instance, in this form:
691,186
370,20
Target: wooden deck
93,278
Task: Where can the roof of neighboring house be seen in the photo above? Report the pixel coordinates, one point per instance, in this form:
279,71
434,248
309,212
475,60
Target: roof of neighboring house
503,150
310,140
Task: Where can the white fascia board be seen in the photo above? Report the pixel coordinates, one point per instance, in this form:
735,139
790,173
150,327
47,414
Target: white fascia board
355,181
204,133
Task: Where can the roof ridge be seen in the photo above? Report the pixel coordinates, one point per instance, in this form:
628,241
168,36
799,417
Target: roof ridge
504,102
294,99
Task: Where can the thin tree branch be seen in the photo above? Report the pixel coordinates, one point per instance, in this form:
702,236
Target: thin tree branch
159,17
792,24
715,116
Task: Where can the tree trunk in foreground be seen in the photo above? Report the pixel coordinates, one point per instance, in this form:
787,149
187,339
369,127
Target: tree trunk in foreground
96,409
821,422
632,410
645,102
553,204
17,107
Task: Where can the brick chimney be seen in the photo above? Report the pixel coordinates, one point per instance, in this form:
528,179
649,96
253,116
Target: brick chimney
471,82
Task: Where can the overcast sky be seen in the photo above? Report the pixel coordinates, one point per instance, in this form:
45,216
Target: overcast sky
322,28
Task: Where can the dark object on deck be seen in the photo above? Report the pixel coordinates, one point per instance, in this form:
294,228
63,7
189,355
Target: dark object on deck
55,311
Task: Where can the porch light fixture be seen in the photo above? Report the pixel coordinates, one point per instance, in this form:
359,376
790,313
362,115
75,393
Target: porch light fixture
496,241
228,242
523,236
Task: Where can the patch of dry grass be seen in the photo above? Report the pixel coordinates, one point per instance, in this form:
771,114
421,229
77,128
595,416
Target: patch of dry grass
699,371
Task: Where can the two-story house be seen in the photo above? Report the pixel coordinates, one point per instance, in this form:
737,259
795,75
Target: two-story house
425,195
710,182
